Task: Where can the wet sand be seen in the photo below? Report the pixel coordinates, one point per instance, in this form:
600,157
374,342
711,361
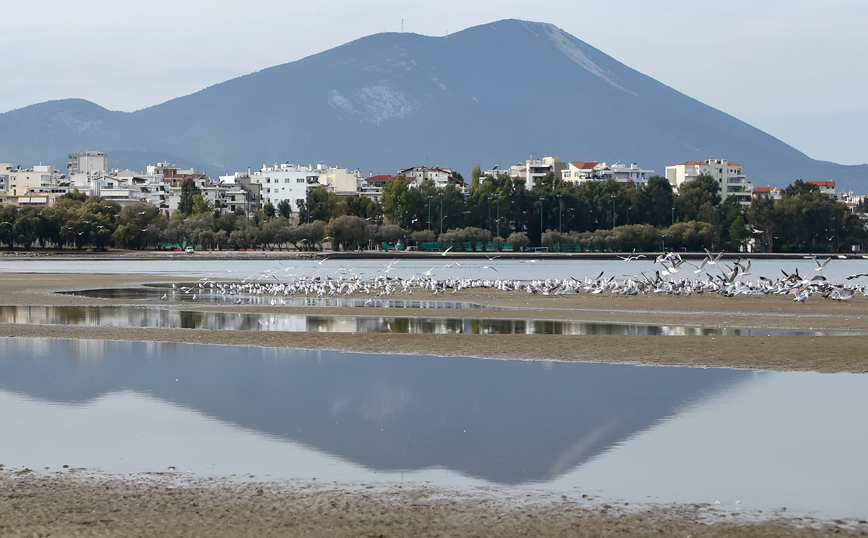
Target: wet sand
781,353
64,502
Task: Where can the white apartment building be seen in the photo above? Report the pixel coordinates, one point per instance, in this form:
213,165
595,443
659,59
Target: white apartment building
623,173
81,168
730,177
286,182
580,172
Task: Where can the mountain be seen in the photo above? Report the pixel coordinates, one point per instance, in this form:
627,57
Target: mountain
492,94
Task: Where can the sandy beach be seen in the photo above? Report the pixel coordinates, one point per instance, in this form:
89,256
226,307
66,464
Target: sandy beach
68,502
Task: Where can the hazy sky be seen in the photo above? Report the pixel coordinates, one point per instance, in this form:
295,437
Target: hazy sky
793,68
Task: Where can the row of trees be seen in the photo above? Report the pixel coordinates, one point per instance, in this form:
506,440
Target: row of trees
558,214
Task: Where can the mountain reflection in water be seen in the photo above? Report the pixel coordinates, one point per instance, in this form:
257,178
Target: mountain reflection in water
510,422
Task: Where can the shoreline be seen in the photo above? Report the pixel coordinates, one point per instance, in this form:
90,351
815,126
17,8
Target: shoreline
77,501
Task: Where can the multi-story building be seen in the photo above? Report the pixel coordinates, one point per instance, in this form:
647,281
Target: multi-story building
38,178
631,173
827,188
242,193
440,176
286,182
5,168
341,181
534,170
81,168
579,172
729,176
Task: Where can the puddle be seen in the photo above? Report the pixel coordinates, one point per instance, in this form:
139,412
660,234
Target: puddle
168,318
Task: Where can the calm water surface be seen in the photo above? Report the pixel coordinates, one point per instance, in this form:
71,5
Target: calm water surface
640,434
167,318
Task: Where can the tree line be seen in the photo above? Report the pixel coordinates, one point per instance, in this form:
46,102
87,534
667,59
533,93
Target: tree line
596,215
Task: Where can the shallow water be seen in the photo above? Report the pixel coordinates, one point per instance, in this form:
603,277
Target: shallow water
836,271
153,293
639,434
167,318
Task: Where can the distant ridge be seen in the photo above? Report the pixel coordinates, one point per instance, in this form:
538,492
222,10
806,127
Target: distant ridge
492,94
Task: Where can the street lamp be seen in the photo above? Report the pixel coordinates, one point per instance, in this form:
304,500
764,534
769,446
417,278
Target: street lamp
498,216
560,213
429,212
613,211
488,198
673,216
441,213
541,200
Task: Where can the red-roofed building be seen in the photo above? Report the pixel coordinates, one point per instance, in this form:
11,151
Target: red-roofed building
772,192
380,180
579,172
827,188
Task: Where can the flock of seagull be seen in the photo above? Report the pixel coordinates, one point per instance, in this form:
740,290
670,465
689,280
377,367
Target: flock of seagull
667,279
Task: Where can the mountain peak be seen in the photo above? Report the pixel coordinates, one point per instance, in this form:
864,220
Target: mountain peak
491,94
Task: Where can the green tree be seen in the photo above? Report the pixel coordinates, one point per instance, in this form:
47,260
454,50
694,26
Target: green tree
139,226
394,202
323,204
698,199
75,194
201,205
654,202
349,232
800,188
269,210
186,202
518,240
284,209
738,234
